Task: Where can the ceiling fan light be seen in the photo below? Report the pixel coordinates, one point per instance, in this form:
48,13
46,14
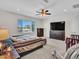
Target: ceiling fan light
43,14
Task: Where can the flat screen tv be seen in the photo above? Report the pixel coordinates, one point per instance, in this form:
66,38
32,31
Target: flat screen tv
25,25
57,25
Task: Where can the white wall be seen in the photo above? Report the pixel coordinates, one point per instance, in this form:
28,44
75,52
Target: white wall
75,24
9,20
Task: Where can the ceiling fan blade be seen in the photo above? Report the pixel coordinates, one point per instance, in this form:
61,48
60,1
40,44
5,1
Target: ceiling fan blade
37,11
48,13
37,14
76,6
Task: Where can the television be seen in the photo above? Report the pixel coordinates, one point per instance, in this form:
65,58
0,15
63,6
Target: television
57,25
25,25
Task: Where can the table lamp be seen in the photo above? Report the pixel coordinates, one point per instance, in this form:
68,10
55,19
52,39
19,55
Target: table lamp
3,36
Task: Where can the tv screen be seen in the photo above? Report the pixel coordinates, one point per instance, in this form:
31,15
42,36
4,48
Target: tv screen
57,25
25,25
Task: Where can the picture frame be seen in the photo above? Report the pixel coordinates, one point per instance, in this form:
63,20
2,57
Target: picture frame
25,25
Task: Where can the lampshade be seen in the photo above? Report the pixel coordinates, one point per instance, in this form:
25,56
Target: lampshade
3,34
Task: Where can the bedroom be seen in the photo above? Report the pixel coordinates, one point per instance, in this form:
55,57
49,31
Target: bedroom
11,11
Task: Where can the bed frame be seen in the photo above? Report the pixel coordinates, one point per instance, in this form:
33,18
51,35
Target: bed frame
27,46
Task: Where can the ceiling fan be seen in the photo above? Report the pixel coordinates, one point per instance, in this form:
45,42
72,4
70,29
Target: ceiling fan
43,12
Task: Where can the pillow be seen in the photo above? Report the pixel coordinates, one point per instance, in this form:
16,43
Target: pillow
8,42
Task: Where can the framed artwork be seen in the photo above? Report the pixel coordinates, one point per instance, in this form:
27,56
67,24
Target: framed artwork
25,25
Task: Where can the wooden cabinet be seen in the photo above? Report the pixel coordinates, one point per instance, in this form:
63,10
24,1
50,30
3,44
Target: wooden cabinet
60,35
40,32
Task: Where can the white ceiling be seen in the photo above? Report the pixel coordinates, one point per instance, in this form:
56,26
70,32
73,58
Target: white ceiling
29,7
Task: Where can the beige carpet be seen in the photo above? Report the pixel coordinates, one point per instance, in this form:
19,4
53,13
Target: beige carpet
46,51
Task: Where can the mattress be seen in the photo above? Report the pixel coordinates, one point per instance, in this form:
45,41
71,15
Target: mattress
28,45
26,38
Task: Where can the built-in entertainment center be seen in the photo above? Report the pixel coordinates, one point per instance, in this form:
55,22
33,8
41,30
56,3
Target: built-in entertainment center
57,30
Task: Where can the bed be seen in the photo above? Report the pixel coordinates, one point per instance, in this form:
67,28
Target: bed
27,44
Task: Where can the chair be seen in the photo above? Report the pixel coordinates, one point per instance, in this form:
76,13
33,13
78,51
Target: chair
74,39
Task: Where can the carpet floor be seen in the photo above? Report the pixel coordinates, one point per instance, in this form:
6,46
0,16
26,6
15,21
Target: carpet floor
46,51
